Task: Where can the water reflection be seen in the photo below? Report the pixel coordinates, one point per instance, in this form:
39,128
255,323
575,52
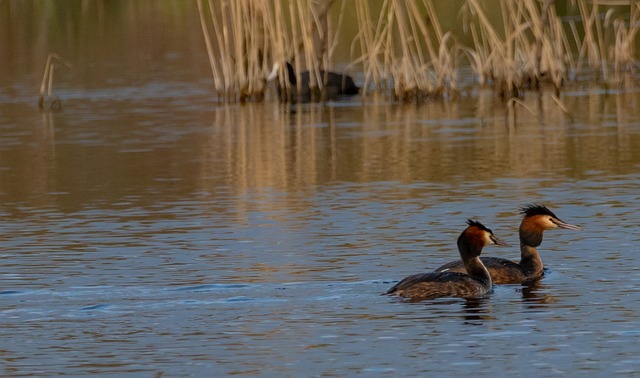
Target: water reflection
477,311
279,148
266,233
144,219
536,295
253,146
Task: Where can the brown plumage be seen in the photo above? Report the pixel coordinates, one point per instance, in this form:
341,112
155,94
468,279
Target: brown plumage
537,219
453,284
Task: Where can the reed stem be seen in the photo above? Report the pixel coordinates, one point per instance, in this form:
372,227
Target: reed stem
404,48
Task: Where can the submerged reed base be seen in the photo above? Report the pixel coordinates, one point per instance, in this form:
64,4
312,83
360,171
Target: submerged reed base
46,100
403,51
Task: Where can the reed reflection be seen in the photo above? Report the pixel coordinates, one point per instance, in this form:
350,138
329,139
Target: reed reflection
27,156
266,146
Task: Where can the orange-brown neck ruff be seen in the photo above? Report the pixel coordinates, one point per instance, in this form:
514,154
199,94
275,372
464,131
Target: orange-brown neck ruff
531,231
470,243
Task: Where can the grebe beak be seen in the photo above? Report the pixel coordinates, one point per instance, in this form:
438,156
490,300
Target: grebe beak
564,225
499,242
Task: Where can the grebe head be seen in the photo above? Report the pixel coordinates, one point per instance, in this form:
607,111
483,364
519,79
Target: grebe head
543,218
476,236
537,219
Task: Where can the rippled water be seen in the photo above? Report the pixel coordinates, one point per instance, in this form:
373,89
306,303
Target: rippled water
256,239
146,230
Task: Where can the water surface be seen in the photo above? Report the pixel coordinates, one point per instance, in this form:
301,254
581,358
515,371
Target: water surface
147,230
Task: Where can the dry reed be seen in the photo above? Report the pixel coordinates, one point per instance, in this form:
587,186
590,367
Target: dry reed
417,60
605,45
249,36
530,48
403,48
236,54
46,85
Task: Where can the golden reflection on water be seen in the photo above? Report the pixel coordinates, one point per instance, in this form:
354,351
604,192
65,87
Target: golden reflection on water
472,139
240,148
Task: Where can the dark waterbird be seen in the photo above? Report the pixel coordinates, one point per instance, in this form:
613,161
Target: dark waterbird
334,86
476,284
537,219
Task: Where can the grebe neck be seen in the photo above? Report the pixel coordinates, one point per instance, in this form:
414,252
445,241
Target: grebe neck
530,239
530,260
476,269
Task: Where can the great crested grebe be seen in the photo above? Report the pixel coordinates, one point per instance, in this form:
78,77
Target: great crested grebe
537,219
335,84
475,284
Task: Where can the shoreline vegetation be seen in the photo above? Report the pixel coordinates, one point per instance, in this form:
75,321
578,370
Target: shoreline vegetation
401,50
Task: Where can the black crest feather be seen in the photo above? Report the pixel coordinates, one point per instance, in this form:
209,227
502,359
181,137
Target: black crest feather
471,222
536,209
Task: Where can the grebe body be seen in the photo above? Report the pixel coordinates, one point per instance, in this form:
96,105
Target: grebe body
474,284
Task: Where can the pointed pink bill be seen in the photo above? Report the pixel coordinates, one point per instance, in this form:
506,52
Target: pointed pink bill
565,225
499,242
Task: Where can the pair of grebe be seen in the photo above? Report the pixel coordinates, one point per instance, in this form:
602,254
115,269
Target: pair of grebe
474,276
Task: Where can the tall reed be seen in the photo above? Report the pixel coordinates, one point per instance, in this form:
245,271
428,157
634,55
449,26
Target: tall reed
46,85
623,54
244,38
530,48
403,48
402,51
236,53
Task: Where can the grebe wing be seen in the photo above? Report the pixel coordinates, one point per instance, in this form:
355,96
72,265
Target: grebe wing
426,277
452,266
